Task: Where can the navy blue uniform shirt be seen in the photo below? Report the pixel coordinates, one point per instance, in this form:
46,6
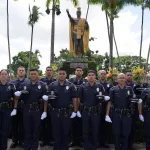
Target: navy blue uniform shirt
47,81
6,92
146,95
65,93
121,97
87,93
107,86
36,91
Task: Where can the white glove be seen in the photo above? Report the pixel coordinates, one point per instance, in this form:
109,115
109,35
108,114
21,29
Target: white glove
141,118
140,101
106,98
14,112
78,114
45,97
73,115
44,115
18,93
107,119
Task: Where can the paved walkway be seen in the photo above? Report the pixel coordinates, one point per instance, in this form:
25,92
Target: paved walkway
137,146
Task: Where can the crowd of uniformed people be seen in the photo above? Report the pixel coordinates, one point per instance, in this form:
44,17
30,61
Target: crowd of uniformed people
72,112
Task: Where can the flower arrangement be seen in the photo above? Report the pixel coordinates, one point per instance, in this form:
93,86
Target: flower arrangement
112,75
139,74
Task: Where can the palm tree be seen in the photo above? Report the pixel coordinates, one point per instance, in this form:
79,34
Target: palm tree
146,67
55,8
144,4
33,19
8,40
112,8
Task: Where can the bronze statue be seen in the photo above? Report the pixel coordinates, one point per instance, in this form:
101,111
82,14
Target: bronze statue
79,34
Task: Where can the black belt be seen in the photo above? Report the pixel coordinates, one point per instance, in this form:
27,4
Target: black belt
6,105
146,108
93,109
123,111
33,105
61,111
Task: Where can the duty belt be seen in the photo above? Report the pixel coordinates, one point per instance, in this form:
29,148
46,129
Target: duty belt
122,112
33,105
146,108
61,111
93,110
6,105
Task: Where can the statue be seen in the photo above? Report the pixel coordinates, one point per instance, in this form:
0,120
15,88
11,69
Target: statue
79,34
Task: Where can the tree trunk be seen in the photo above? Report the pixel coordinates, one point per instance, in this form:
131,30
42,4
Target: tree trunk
8,38
111,43
53,32
107,25
147,58
30,53
141,35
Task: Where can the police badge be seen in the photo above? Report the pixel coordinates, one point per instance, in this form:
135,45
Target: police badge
39,87
97,89
108,85
9,88
25,88
128,92
67,87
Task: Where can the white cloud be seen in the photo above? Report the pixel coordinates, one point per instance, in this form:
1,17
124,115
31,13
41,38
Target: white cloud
128,39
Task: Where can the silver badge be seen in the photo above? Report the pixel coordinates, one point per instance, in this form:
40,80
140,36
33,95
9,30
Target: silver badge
134,96
108,85
67,87
97,89
39,87
9,87
128,92
24,87
134,85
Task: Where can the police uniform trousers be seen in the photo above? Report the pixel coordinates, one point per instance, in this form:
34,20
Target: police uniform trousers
32,120
18,127
5,125
76,130
133,129
91,122
121,127
147,128
104,130
60,130
46,130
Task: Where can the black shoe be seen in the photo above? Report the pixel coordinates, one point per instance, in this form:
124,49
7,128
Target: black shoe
72,144
42,144
51,143
105,146
21,144
13,145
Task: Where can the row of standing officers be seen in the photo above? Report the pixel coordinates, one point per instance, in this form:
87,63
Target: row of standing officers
84,106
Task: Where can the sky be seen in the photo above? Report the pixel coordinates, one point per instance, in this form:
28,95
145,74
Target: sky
127,30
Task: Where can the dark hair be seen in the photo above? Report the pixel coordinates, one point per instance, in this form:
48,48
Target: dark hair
34,69
62,69
49,68
4,70
79,67
91,71
128,71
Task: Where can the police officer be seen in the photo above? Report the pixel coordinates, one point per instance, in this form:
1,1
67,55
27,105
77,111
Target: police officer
146,119
92,106
17,120
46,127
61,109
6,106
131,83
120,97
76,127
32,92
104,125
